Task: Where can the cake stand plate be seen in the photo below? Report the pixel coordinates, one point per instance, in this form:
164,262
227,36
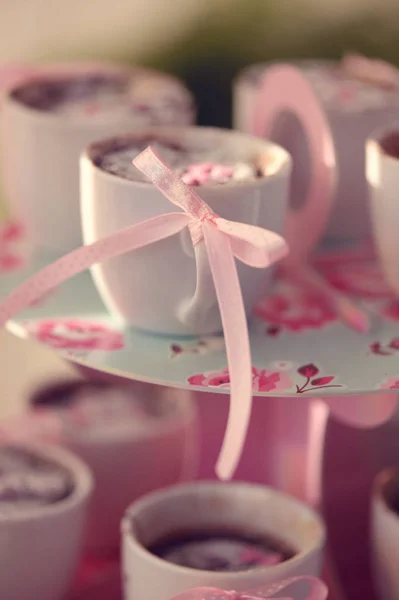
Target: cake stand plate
298,344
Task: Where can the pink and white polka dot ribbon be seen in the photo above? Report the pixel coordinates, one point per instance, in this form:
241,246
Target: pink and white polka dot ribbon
318,591
224,241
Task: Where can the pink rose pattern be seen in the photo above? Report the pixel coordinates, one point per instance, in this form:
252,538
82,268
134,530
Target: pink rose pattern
294,309
11,237
75,335
200,346
263,380
390,384
361,279
385,349
268,380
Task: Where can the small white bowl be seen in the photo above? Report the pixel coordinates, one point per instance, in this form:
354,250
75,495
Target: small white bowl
40,547
210,505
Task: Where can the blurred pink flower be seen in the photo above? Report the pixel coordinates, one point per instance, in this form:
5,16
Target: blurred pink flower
64,334
263,380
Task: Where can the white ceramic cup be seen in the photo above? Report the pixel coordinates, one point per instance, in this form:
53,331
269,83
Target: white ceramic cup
40,158
151,288
385,533
41,546
382,170
350,128
126,466
211,506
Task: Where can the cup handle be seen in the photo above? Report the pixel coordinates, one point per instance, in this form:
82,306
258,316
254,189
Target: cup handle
284,89
194,311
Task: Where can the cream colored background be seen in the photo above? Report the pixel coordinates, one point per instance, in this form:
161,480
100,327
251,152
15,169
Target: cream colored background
25,366
43,28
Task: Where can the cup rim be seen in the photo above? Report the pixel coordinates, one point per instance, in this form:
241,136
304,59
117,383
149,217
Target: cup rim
381,482
176,490
83,484
242,76
87,155
49,71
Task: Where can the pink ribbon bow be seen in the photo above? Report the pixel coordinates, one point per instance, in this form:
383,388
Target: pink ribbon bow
377,72
318,591
224,240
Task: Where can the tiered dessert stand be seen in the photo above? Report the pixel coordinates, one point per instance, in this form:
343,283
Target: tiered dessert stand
306,363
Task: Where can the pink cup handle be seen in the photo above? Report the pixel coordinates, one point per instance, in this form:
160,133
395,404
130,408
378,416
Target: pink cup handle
284,89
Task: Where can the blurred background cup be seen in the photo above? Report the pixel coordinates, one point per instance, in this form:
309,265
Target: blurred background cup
354,108
41,148
40,546
383,180
385,533
211,507
128,454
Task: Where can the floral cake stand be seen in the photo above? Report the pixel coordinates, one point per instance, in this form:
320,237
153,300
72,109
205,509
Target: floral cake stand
306,363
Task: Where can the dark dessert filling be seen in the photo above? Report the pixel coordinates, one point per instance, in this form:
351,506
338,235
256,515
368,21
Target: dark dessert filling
104,410
196,165
60,93
222,550
28,480
390,144
143,98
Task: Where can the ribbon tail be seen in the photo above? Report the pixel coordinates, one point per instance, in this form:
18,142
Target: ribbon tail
238,351
318,589
126,240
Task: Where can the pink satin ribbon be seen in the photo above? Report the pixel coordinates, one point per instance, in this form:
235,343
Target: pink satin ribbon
224,241
318,591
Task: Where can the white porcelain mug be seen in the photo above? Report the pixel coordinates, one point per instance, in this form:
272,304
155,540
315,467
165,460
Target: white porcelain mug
382,170
40,157
154,288
40,547
385,533
214,506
